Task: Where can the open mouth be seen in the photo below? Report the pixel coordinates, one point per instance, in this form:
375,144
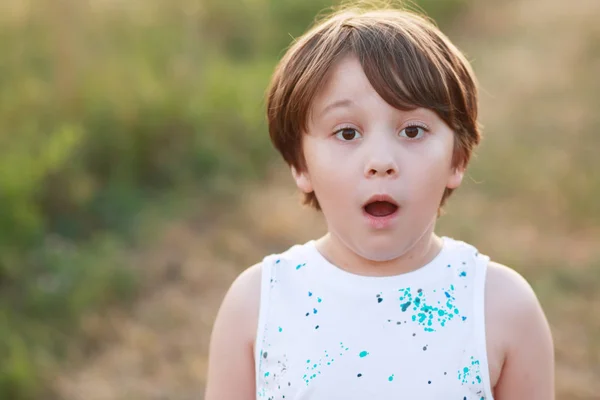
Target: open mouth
380,206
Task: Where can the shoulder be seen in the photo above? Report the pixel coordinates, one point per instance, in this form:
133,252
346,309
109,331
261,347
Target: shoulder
231,351
511,304
240,308
517,331
242,301
509,294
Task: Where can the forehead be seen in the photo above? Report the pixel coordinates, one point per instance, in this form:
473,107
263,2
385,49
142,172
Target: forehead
348,86
345,81
348,90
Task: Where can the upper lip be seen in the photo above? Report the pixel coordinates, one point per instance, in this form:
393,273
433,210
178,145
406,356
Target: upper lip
381,197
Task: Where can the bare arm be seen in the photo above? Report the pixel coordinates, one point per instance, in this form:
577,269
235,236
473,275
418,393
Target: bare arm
231,357
528,369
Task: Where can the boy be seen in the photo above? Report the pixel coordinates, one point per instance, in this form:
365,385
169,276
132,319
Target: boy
376,114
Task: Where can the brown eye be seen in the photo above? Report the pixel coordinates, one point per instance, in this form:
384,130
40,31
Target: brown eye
347,134
412,132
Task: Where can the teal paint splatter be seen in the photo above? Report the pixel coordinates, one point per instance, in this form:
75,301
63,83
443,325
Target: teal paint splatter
391,377
363,354
428,316
300,266
463,274
309,294
280,329
267,374
318,300
470,373
313,367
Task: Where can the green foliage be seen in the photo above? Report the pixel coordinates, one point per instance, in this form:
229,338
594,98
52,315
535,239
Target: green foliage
104,106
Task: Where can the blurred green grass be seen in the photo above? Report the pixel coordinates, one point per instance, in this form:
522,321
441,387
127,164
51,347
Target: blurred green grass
106,108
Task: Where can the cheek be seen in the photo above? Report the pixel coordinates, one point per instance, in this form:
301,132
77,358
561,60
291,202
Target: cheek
330,167
429,174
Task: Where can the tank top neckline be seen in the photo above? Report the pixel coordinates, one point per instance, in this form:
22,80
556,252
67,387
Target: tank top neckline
424,274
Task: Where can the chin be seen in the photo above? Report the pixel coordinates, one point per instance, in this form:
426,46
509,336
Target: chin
382,250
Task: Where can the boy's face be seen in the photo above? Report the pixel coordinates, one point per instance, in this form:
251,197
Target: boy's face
358,146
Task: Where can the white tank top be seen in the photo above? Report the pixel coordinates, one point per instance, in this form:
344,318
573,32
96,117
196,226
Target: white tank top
326,334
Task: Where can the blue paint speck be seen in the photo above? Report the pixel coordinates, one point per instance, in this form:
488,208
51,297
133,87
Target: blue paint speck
309,294
405,305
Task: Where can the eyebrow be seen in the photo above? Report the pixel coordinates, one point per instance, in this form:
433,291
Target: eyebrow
336,104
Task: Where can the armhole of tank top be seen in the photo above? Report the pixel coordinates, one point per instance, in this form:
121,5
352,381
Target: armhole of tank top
479,308
263,311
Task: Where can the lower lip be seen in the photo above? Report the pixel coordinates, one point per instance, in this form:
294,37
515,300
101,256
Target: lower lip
381,222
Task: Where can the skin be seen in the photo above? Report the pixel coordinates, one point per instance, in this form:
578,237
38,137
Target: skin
356,146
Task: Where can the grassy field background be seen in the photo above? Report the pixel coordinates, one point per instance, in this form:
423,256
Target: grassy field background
137,180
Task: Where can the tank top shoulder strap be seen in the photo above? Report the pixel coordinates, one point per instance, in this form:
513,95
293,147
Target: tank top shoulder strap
270,266
480,270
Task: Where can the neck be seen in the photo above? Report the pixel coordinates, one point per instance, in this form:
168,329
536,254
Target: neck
416,255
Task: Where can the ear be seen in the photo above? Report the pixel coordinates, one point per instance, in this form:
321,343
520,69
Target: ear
302,180
456,177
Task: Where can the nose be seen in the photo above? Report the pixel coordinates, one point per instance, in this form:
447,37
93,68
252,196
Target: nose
381,167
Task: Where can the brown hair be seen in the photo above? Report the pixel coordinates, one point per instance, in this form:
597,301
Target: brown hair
408,61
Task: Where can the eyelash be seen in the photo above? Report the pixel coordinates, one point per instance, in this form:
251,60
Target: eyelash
416,125
410,125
